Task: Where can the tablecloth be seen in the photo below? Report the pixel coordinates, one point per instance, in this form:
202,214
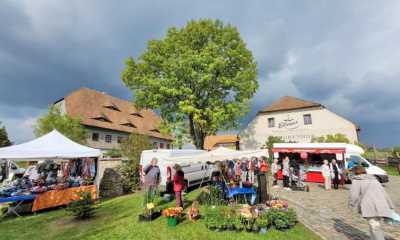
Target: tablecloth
243,191
55,198
18,198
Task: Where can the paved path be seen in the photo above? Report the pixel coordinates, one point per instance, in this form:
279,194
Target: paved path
327,213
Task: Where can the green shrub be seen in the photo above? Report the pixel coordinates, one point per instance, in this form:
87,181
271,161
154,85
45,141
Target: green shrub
83,208
282,219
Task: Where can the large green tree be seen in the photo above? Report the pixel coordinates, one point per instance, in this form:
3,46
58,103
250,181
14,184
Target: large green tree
4,141
55,119
202,73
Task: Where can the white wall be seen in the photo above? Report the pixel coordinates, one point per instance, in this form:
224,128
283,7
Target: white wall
323,122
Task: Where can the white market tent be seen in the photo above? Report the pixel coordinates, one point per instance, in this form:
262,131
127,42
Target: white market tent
53,145
219,154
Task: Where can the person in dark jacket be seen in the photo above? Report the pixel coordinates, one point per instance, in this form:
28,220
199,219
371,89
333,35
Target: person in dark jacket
179,185
151,180
335,173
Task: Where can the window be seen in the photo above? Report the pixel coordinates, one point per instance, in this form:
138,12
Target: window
136,114
120,139
168,146
155,145
271,122
95,137
161,145
108,138
307,119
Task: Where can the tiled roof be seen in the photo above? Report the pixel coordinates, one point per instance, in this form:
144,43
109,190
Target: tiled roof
289,103
104,111
211,141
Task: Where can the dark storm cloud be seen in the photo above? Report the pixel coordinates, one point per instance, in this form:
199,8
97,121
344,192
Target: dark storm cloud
320,51
319,85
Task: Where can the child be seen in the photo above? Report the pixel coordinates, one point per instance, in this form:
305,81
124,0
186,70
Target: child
194,212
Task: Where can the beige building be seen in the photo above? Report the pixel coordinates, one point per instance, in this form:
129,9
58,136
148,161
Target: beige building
110,120
295,120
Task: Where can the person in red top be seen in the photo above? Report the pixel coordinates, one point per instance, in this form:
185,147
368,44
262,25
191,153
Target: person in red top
179,185
264,166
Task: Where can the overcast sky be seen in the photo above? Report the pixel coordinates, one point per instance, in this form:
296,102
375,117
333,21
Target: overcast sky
343,54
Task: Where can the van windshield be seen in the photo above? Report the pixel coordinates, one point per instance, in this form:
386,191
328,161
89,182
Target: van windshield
357,160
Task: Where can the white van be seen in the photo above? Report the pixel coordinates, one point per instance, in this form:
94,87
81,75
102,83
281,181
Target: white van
352,155
195,173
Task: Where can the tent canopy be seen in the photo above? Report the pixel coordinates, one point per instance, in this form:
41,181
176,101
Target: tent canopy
50,146
219,154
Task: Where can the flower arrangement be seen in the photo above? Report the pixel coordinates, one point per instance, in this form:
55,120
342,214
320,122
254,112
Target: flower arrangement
172,212
279,204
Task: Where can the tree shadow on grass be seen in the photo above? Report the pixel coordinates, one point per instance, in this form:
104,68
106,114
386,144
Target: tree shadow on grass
351,232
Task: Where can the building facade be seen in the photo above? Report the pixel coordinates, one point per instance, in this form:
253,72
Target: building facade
295,120
109,120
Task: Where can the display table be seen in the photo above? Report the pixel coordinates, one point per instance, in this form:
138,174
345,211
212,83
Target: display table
55,198
232,192
310,176
18,200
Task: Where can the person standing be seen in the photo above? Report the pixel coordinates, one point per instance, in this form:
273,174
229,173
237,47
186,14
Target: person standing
368,197
274,172
251,166
286,172
335,173
179,185
326,173
244,168
151,180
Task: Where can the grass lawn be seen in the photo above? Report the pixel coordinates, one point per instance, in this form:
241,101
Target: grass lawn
391,170
117,219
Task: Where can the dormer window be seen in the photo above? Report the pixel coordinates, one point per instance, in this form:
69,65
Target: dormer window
103,118
136,114
155,130
112,106
128,124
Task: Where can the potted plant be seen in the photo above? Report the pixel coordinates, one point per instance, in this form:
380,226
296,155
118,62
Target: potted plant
262,223
149,213
238,224
172,214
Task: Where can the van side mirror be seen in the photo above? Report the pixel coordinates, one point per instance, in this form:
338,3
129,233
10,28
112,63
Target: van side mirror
364,164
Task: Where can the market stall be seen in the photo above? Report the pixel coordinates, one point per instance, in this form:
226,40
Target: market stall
65,167
309,157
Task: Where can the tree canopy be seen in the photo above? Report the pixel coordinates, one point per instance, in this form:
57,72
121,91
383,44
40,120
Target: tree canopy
69,126
201,73
4,141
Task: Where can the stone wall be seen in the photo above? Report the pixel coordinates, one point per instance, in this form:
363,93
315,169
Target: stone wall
103,164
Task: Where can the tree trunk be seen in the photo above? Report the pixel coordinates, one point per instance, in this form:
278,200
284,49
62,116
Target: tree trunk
197,135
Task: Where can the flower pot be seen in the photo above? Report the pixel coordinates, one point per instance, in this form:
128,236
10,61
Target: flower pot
256,229
148,218
263,230
172,221
231,227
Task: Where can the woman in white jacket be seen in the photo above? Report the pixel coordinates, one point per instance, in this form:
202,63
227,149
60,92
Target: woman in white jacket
326,173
